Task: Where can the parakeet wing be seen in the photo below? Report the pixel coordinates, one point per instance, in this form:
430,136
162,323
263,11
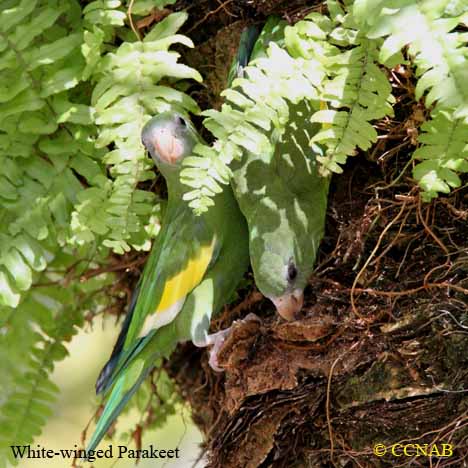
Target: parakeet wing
176,266
187,250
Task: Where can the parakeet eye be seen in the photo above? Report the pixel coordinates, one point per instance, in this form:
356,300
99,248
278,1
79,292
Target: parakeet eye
180,121
292,271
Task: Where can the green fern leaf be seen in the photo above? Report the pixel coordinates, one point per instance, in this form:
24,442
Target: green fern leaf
444,154
439,55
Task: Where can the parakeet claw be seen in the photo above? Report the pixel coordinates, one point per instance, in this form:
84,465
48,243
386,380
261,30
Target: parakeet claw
217,341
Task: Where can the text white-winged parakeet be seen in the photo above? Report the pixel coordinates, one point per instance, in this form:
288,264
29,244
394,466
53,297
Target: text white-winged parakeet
282,196
194,266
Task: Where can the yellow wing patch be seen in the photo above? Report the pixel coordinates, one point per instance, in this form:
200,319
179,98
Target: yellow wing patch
177,288
183,282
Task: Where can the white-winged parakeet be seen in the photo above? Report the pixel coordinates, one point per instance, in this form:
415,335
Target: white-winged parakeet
194,266
282,196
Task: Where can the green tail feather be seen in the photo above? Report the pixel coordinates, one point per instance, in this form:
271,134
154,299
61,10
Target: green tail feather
246,44
115,404
127,379
107,374
125,358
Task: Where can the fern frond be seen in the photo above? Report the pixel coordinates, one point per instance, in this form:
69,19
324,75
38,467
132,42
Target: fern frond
357,92
444,152
143,7
438,53
40,62
314,62
48,317
104,13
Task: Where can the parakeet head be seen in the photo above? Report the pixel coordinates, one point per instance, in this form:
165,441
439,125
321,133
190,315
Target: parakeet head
280,273
169,138
289,303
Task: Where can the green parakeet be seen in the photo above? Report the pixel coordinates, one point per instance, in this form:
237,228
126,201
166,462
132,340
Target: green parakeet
194,267
283,198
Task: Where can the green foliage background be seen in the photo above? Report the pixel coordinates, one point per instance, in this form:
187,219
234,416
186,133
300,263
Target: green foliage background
76,86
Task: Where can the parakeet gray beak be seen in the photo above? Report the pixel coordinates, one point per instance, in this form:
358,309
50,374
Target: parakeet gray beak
167,146
289,304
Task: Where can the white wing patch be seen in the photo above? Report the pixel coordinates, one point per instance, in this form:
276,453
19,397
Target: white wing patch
163,317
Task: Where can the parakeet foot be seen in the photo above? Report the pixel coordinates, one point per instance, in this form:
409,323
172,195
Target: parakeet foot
216,340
